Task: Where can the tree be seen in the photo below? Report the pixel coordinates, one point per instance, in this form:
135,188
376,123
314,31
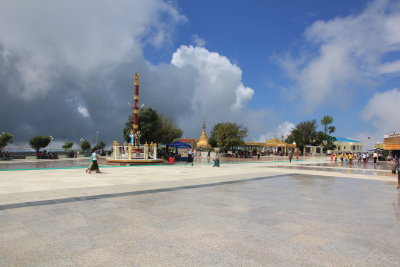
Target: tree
331,129
85,146
305,133
39,142
327,120
168,131
5,139
100,145
325,140
153,128
228,134
67,145
212,142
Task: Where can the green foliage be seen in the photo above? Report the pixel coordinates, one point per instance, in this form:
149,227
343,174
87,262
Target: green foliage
153,128
325,121
212,141
5,139
305,133
168,132
100,145
39,142
228,134
325,140
85,146
67,145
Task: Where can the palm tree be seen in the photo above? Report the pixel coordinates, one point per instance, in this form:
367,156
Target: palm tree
326,120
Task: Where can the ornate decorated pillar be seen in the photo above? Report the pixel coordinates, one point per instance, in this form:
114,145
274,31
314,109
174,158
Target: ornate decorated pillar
129,151
135,122
146,151
154,151
115,150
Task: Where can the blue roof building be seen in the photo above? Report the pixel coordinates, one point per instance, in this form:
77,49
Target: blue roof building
344,144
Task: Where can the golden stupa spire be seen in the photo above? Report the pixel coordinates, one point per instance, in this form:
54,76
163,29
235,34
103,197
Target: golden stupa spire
203,140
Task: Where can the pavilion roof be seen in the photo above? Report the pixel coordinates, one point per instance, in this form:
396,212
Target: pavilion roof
277,143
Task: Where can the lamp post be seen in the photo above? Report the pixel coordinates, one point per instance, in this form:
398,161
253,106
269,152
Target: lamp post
97,133
51,140
369,139
81,140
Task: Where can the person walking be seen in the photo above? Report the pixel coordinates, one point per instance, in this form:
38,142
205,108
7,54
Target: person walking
364,156
190,156
290,156
94,166
397,168
90,164
375,156
216,160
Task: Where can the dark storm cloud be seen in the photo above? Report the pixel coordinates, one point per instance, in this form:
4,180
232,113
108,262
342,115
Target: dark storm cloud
66,70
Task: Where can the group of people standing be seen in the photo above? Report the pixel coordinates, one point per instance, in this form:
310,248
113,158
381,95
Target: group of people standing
348,157
190,158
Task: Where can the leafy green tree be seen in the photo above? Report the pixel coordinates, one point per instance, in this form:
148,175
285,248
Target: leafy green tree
212,142
39,142
228,134
85,146
168,131
325,140
325,121
100,145
67,145
153,128
5,139
305,133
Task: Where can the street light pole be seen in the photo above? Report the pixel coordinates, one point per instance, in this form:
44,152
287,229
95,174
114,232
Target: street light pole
51,140
97,133
370,145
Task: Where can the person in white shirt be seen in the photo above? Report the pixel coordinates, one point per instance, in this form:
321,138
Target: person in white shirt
94,165
375,156
190,156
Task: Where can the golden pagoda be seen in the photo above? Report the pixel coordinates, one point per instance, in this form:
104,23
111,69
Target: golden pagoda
203,140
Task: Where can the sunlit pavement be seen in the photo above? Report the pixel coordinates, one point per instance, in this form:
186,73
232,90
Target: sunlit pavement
244,213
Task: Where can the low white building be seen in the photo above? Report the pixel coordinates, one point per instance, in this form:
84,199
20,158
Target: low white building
348,145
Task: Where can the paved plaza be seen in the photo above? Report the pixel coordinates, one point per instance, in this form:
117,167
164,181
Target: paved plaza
243,214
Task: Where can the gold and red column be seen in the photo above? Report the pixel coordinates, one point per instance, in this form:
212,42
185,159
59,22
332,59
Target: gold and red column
135,122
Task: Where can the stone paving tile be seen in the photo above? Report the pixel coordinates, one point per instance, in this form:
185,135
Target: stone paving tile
291,221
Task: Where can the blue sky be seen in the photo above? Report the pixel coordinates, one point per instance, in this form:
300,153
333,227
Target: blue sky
253,34
265,64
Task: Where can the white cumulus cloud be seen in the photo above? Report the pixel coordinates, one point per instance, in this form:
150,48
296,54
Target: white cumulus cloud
83,111
382,111
218,93
197,41
218,82
283,129
346,53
